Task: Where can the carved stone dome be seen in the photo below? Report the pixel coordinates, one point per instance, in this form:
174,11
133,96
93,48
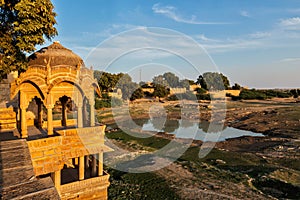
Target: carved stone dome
55,55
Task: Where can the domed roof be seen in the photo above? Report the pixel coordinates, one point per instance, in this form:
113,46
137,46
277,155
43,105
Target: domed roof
57,54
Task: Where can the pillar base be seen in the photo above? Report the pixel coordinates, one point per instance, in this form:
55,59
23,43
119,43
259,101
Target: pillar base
24,134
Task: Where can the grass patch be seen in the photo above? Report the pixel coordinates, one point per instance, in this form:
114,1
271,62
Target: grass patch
231,158
138,186
152,142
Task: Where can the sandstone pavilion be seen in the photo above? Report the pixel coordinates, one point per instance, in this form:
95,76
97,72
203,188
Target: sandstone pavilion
51,147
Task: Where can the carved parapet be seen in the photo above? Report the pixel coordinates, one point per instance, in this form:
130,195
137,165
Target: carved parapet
85,189
46,155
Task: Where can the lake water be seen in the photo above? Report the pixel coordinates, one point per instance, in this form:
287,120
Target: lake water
203,131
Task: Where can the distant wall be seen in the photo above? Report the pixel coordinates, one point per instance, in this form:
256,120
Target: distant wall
233,92
222,93
177,90
117,93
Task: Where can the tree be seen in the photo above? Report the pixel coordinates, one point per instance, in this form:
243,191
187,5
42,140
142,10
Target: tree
160,80
23,25
130,90
107,81
185,83
295,93
137,94
171,79
213,81
160,91
200,81
236,87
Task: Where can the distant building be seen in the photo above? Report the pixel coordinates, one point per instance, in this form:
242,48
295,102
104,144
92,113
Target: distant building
116,93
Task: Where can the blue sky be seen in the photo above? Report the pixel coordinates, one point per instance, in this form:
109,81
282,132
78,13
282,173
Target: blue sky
254,42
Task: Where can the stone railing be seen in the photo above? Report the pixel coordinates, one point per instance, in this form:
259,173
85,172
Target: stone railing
57,123
92,186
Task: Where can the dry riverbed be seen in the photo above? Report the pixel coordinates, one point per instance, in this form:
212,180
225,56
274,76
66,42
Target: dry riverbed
240,168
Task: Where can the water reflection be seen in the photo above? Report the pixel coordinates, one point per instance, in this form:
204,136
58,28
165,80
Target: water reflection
210,127
204,130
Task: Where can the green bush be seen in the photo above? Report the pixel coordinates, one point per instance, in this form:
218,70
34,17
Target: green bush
102,103
252,94
172,98
262,94
203,97
275,93
107,103
201,91
188,96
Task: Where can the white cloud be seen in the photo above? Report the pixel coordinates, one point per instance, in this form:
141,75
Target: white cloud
244,13
145,45
294,10
260,35
170,12
290,60
290,23
202,37
231,45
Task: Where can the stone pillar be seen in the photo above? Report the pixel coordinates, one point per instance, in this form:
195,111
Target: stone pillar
100,164
84,115
81,168
87,163
23,120
40,114
79,116
64,113
75,161
56,179
92,113
49,120
94,165
24,132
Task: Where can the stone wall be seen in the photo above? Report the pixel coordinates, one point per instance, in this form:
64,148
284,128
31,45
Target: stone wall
5,101
4,93
7,119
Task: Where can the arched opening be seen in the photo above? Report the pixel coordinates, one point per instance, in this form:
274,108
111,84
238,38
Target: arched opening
66,105
35,117
30,111
65,112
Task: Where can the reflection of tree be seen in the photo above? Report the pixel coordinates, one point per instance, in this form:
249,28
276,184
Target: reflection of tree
140,122
211,127
171,126
158,123
186,123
